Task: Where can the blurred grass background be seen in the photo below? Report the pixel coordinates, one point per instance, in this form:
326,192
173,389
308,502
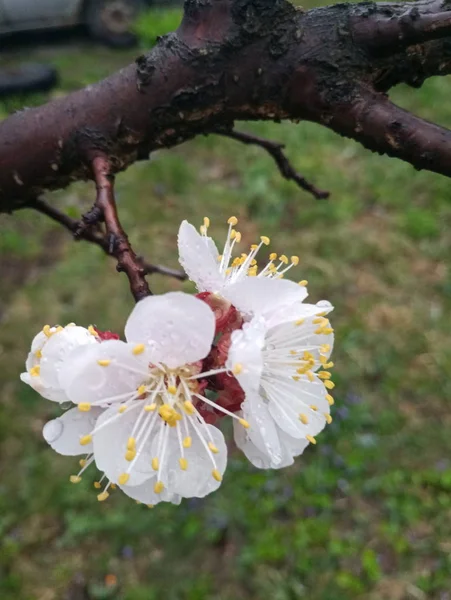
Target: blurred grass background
364,514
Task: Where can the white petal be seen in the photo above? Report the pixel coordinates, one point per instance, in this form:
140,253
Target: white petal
197,480
110,446
63,434
56,350
145,493
84,380
49,393
262,430
298,311
245,353
178,328
262,296
198,256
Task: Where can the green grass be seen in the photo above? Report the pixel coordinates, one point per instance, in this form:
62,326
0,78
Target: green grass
365,513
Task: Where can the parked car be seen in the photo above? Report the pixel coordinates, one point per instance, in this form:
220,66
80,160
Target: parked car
107,20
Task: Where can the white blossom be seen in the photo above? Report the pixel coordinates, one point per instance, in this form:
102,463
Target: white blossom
287,401
238,279
150,437
49,349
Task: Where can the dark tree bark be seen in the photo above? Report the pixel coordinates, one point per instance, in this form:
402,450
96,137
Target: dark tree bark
234,60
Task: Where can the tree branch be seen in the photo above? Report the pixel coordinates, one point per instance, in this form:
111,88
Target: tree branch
275,150
97,237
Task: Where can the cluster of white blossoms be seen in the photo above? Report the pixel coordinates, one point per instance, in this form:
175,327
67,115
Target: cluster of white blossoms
145,410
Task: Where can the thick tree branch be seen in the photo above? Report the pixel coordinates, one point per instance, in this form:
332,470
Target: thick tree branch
96,236
236,60
275,150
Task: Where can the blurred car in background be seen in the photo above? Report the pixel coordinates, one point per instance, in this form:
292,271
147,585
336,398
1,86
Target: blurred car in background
110,21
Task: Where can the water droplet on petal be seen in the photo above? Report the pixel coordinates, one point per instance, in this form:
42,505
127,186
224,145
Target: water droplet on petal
52,430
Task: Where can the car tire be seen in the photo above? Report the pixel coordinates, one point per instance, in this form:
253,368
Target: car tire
26,79
110,21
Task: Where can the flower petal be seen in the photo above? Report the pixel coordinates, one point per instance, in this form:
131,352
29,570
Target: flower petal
196,480
297,311
145,493
198,256
49,393
85,380
262,430
63,434
245,357
56,350
112,433
263,296
178,328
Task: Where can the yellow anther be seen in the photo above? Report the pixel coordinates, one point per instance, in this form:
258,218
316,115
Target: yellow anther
237,369
294,260
130,455
232,221
328,331
183,463
252,272
82,462
187,442
85,440
206,222
299,322
308,355
238,237
273,256
311,439
84,406
272,268
169,415
103,496
155,464
329,365
216,475
213,448
313,407
189,407
329,384
203,230
113,486
310,376
254,247
34,371
104,362
325,348
38,354
92,331
283,259
318,320
150,407
123,478
323,359
172,390
97,485
330,399
138,349
233,233
303,418
122,409
75,479
324,375
150,505
296,378
265,240
303,370
228,271
304,282
131,443
158,487
46,330
328,418
253,263
244,423
219,257
236,262
141,390
293,352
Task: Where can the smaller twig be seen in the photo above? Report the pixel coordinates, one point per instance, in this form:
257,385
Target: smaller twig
275,150
97,237
412,27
